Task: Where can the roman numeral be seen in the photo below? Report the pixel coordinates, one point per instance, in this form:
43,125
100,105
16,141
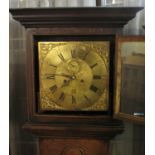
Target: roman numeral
73,100
73,53
53,65
53,88
61,57
85,55
93,65
62,97
93,88
86,98
96,77
52,76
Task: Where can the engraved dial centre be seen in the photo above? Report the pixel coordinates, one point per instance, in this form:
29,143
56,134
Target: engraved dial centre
73,66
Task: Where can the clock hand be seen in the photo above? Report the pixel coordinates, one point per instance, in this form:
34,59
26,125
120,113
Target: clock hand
72,77
67,82
64,75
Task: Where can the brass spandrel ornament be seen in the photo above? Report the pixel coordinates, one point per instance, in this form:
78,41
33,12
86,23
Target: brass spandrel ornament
74,76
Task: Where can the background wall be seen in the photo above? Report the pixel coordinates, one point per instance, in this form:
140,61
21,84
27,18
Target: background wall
131,142
21,143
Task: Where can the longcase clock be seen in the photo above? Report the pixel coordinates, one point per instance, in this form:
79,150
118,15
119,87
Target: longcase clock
71,77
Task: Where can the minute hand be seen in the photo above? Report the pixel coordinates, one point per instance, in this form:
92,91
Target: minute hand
65,75
51,76
72,77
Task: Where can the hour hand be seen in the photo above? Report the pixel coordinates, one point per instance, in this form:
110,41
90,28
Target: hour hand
66,82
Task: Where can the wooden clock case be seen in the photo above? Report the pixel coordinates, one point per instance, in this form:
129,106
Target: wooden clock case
69,133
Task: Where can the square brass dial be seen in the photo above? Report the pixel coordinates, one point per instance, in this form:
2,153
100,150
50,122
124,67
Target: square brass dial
74,75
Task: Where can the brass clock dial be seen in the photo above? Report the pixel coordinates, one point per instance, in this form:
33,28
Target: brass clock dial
74,76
